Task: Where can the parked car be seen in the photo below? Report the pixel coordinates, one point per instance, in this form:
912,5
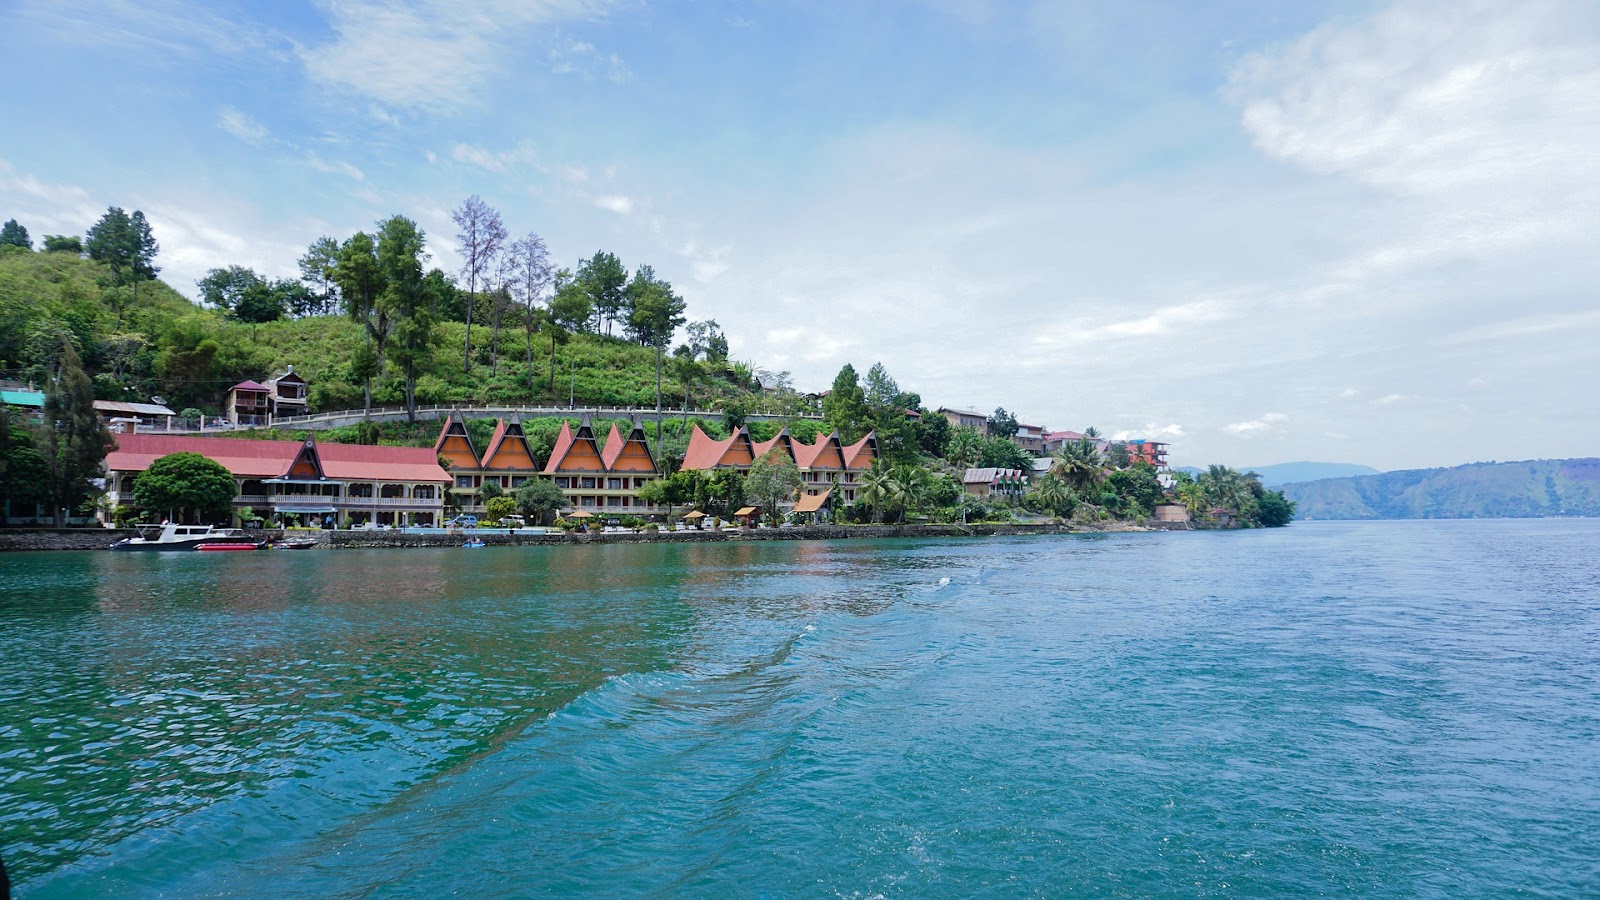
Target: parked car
463,521
512,521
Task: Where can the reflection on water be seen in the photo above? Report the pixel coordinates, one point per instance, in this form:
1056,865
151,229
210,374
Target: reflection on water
1328,709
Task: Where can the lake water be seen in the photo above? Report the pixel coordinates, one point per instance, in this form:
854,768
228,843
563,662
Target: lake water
1401,709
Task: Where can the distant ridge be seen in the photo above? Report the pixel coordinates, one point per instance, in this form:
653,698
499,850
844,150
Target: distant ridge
1528,489
1278,475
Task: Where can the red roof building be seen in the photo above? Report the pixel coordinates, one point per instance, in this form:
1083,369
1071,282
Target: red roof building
604,479
826,464
350,482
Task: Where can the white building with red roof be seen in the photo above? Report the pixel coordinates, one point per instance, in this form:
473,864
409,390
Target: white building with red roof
350,482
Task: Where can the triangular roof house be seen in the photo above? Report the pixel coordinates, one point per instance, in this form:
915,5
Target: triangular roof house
706,452
630,454
455,444
509,449
575,451
862,453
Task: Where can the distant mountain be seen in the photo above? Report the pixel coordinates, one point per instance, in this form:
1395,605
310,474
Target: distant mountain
1293,472
1528,489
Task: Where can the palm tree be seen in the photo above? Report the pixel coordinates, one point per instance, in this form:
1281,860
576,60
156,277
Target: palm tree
1080,465
1051,493
907,488
964,447
875,488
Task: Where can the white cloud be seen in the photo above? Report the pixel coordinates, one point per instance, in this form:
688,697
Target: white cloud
334,168
497,162
583,58
1392,399
1349,394
429,54
241,126
616,203
1262,425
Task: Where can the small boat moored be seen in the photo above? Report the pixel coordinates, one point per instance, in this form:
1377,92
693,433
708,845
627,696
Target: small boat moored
474,543
294,544
213,548
168,536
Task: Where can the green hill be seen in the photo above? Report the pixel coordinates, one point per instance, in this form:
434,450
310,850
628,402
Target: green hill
1533,488
159,343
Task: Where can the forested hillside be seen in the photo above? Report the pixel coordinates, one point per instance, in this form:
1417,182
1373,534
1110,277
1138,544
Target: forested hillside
1546,487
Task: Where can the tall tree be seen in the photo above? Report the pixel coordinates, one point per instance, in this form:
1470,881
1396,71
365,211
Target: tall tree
707,340
411,297
887,405
1002,423
533,274
75,439
604,279
569,310
656,314
361,282
845,407
15,235
479,241
317,268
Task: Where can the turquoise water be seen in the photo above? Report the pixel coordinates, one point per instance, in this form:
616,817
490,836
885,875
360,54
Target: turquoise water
1393,709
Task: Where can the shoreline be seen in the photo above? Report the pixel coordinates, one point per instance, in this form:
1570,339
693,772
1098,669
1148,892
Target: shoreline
51,539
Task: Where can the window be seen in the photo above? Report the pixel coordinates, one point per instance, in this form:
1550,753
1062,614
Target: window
563,482
588,484
359,490
640,482
613,501
422,492
519,480
463,481
614,484
588,501
393,491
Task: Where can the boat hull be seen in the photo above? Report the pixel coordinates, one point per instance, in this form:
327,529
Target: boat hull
139,544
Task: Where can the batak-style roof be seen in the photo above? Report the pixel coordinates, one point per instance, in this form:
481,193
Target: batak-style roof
706,452
276,459
631,454
827,452
575,451
455,444
509,449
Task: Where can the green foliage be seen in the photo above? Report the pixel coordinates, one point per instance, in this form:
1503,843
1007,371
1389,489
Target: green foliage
1274,510
933,433
125,244
845,407
14,235
63,243
539,496
75,441
186,483
1002,453
604,280
965,447
24,477
772,479
497,508
1136,488
1002,423
491,491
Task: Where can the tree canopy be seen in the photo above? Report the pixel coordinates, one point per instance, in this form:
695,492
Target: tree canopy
186,484
14,235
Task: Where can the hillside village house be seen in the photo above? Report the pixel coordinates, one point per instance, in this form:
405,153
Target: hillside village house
983,482
123,417
964,417
251,404
1030,437
825,465
603,479
349,482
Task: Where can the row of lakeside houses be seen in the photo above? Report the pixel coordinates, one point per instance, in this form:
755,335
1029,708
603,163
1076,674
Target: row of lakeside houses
1038,440
352,483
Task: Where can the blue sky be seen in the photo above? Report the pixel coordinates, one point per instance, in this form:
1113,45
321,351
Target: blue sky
1264,231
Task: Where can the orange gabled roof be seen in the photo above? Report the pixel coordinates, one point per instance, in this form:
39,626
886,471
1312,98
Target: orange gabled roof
575,451
861,454
632,451
782,438
509,449
704,450
812,456
455,444
811,502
